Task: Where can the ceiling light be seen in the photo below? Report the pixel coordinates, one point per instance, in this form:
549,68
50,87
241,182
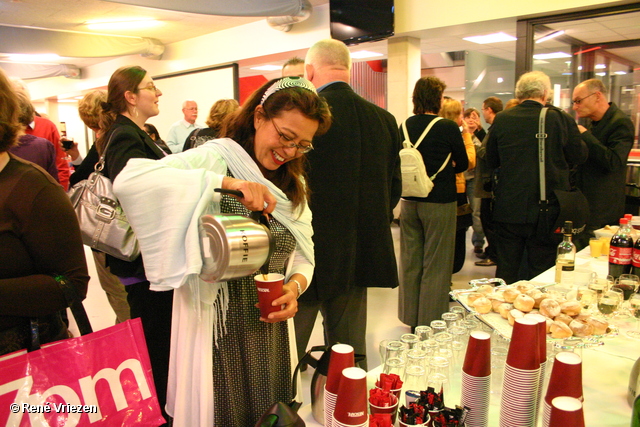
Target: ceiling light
620,73
267,68
550,36
500,80
43,57
600,66
601,74
491,38
362,54
553,55
567,74
123,24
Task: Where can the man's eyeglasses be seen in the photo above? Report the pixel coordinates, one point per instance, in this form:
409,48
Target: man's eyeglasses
150,87
304,146
578,101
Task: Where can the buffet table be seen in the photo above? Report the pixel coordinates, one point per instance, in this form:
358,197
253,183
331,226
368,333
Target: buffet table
606,368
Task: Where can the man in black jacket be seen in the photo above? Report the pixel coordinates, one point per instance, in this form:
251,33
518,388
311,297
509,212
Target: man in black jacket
512,145
610,138
355,182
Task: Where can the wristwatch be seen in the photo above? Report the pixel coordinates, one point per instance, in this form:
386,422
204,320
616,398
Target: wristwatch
299,287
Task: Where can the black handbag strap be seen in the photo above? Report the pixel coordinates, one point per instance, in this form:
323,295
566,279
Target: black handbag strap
542,136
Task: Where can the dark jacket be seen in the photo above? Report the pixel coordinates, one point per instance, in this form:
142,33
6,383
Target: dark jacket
128,142
602,177
355,183
512,145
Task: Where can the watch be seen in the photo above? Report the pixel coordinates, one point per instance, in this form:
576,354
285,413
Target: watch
300,291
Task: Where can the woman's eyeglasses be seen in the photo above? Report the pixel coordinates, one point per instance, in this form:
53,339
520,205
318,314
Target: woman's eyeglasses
150,87
304,146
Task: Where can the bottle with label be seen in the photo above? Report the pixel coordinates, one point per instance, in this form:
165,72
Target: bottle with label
621,250
635,258
635,416
566,256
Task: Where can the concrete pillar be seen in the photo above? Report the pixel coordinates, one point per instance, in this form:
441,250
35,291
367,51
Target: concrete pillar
403,68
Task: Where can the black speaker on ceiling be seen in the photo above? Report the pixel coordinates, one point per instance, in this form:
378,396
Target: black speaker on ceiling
359,21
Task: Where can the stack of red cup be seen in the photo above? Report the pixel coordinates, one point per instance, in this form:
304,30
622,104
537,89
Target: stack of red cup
566,411
351,403
342,356
476,379
542,349
521,376
566,380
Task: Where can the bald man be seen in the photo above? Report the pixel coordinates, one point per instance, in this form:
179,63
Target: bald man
354,177
602,178
180,130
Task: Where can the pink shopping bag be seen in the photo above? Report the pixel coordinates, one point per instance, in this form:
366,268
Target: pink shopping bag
99,379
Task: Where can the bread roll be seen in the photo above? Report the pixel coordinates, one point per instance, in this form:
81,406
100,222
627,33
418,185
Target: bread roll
581,329
482,305
600,326
537,296
524,287
564,318
560,330
514,314
572,308
524,303
504,309
550,308
510,294
485,289
496,303
472,297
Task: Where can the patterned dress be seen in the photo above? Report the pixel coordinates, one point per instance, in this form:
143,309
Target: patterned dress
251,362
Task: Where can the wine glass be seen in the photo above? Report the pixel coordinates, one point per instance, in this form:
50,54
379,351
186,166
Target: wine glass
610,301
599,286
629,285
634,303
586,297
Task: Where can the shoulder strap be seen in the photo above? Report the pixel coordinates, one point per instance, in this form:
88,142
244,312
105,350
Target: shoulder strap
100,165
441,167
542,136
407,142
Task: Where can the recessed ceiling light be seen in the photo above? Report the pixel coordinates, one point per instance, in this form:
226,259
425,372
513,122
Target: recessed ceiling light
123,24
553,55
601,74
267,68
600,66
550,36
491,38
362,54
43,57
620,73
500,80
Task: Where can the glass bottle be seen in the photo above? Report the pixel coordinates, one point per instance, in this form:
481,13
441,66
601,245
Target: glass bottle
566,255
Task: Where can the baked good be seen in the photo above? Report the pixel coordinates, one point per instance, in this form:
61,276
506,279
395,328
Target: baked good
581,329
482,305
600,326
537,296
496,303
572,308
524,287
472,297
514,314
504,308
564,318
485,289
560,330
510,294
524,303
550,308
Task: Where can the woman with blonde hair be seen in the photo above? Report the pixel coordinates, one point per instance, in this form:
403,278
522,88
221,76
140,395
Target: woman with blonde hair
219,111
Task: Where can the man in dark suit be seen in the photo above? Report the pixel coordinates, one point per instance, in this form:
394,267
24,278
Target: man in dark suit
355,182
610,138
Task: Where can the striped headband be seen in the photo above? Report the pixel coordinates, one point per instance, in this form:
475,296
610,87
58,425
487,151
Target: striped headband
285,83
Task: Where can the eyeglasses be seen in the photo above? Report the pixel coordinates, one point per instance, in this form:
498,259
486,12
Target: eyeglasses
150,87
578,101
288,141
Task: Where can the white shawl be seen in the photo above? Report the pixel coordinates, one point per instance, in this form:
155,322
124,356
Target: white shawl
163,200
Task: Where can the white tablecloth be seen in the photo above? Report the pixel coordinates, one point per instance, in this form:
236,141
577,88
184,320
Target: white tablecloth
606,368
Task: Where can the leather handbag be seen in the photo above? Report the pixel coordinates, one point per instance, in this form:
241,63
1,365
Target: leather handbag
571,205
103,224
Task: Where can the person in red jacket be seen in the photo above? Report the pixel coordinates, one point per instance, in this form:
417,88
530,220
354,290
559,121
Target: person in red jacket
44,128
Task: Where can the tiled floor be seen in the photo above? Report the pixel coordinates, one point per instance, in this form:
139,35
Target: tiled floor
382,322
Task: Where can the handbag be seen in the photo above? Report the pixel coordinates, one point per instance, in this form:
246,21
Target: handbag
569,205
101,378
103,224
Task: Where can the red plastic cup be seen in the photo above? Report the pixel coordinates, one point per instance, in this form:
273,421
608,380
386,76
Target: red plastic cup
523,351
269,289
351,403
542,334
566,411
342,357
566,377
477,360
392,409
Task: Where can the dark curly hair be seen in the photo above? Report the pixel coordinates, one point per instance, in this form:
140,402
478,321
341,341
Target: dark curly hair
290,177
427,95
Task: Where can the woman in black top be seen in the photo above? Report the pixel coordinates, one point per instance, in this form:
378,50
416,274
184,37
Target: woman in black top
428,225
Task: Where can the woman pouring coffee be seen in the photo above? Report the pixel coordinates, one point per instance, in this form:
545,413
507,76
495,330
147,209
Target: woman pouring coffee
216,327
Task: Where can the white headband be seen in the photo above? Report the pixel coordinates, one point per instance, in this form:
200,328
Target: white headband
287,82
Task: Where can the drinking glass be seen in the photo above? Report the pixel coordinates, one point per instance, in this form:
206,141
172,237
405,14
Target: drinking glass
395,349
498,360
382,348
394,365
430,347
609,302
438,326
628,283
418,357
599,286
424,332
452,319
461,311
439,374
586,297
415,381
410,340
634,302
